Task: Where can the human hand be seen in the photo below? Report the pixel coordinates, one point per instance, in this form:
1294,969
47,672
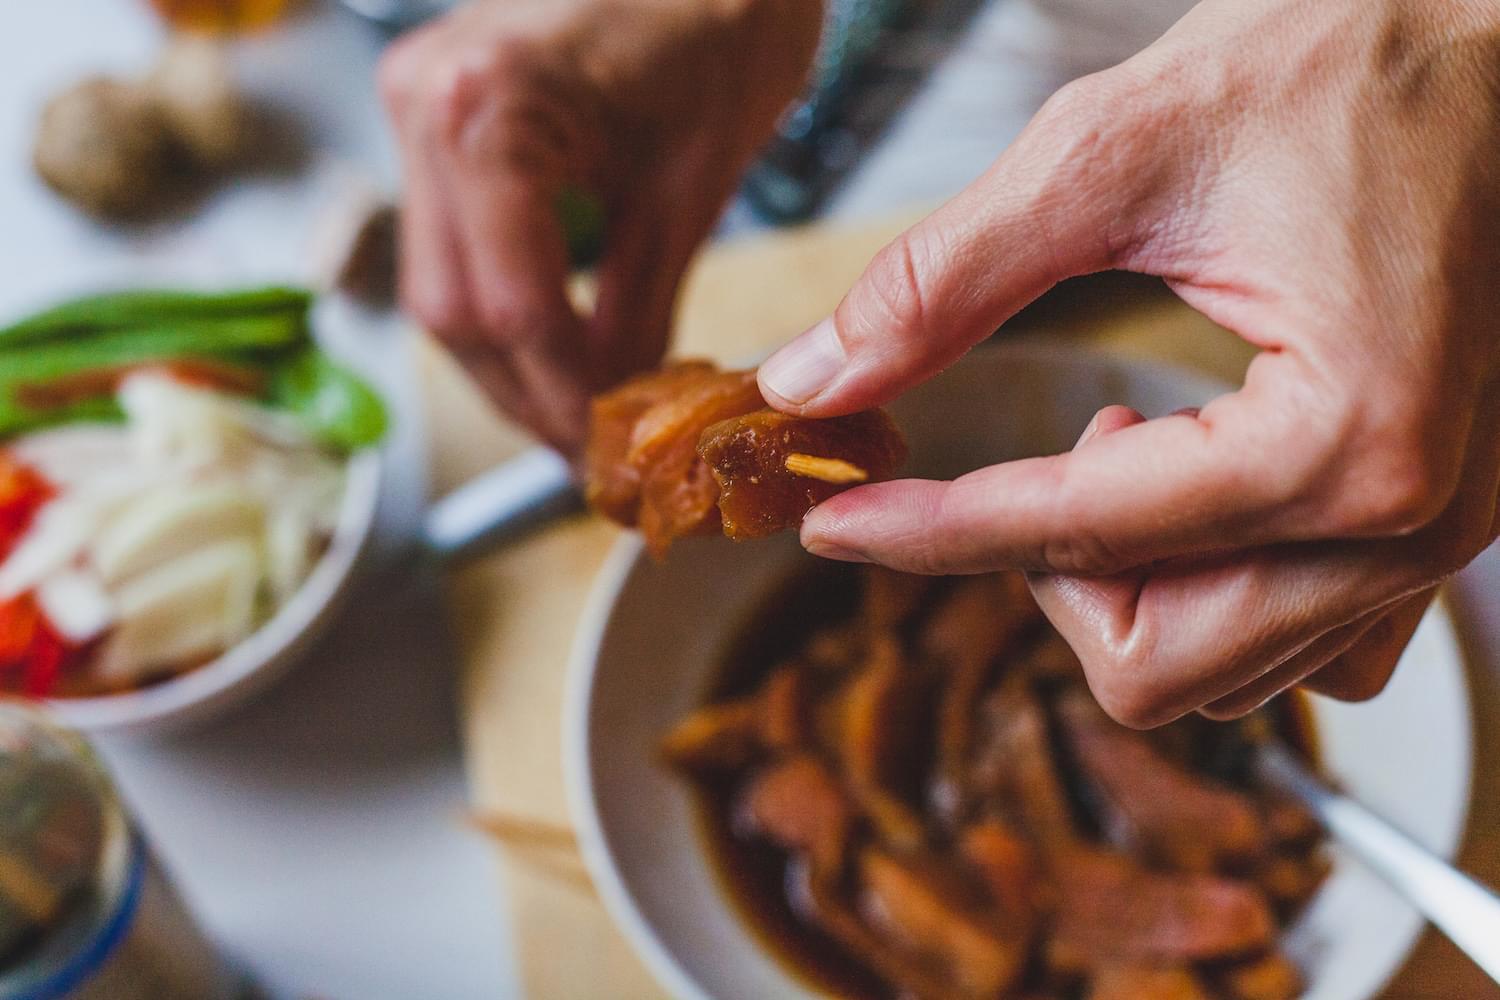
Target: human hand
1320,177
656,106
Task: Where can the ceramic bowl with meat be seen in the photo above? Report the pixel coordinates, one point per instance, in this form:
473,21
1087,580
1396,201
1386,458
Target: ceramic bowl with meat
799,779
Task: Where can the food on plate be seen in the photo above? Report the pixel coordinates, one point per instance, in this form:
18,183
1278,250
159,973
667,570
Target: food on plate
125,149
910,792
171,469
691,450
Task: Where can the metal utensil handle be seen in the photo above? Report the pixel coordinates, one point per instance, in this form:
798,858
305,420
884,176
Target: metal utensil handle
1462,908
503,505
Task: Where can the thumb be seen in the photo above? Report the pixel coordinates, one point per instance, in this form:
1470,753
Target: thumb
1043,212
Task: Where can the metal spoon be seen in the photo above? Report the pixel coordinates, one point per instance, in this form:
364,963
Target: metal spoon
1459,906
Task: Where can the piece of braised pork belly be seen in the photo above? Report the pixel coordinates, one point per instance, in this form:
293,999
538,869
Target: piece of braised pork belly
1153,806
1110,910
773,468
691,450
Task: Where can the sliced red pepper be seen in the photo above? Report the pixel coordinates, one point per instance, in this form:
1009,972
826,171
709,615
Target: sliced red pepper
19,620
33,654
49,653
23,492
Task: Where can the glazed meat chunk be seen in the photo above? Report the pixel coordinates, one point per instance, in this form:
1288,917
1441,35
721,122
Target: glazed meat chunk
689,450
772,468
612,482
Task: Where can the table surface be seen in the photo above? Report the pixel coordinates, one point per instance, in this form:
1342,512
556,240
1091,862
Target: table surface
319,834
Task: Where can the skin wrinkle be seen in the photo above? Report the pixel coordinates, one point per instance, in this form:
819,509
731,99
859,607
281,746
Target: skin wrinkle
1163,698
1363,670
1288,672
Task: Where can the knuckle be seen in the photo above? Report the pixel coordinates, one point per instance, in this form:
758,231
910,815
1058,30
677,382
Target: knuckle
1093,116
1076,106
1128,684
454,93
1130,704
1405,478
894,303
441,312
1103,133
1307,445
399,69
1080,553
458,86
519,323
1399,498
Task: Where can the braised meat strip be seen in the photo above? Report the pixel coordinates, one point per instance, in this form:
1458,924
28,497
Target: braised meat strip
920,786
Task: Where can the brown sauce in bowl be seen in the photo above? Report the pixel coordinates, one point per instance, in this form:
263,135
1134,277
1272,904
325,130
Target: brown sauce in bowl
899,898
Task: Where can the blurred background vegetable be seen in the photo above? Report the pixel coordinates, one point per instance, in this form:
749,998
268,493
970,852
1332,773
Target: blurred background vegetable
66,362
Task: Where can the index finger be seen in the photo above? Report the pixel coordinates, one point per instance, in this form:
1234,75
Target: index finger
1182,484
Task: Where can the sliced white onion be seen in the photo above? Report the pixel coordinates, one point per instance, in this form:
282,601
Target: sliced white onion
200,427
289,551
169,522
76,605
57,535
185,611
75,453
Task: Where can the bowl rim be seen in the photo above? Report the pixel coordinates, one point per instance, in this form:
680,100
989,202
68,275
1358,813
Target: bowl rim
578,779
271,648
584,663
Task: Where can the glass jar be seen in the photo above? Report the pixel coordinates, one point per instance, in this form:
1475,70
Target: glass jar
85,911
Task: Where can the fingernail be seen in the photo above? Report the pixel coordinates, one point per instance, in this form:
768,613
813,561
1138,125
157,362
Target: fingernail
806,366
828,550
1088,432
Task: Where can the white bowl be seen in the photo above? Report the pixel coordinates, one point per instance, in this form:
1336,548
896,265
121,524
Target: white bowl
653,634
196,696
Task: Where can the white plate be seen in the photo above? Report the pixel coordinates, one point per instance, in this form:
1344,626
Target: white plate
652,635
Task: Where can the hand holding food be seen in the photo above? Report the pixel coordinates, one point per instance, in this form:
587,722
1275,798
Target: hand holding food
689,450
656,108
171,469
1318,177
